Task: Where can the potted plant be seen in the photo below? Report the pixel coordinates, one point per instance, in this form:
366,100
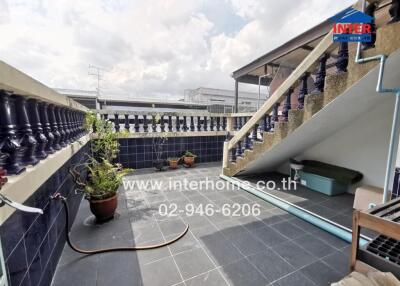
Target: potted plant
188,159
158,147
173,162
103,177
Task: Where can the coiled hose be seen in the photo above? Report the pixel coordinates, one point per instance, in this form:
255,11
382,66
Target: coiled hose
58,197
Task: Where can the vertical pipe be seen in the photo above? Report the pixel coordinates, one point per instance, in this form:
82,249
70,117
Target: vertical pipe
236,106
393,146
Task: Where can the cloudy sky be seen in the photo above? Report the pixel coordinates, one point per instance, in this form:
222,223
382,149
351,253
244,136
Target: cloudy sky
149,48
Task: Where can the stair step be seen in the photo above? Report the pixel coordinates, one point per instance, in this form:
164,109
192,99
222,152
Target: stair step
295,119
312,104
280,131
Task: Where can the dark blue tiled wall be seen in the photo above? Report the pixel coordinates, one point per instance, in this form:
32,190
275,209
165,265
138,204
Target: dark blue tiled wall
139,152
32,244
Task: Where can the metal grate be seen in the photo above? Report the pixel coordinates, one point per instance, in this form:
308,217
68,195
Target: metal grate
385,247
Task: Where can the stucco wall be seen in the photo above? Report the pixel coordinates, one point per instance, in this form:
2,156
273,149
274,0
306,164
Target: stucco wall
362,145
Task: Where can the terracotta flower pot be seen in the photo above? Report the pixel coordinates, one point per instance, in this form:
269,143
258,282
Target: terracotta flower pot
104,210
188,161
173,164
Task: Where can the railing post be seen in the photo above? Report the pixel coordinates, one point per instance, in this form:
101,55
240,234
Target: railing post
224,120
116,122
205,126
162,123
24,132
288,104
394,11
127,125
247,142
53,125
185,127
198,123
343,58
44,120
370,10
211,123
177,124
60,126
153,123
9,143
37,129
254,134
65,124
321,74
235,123
74,124
303,90
225,155
218,123
191,123
170,123
145,126
137,124
239,149
275,114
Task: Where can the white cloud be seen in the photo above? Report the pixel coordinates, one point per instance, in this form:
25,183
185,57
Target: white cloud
149,48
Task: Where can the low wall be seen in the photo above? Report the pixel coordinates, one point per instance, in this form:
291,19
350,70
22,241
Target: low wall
32,244
139,153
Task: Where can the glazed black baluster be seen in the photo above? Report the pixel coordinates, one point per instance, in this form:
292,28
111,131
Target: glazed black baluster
224,123
275,115
235,123
191,123
177,124
218,126
254,134
60,127
127,126
70,125
321,74
233,155
370,10
153,124
169,123
116,122
9,143
268,126
162,123
343,58
106,117
288,105
239,149
24,132
37,130
74,123
205,125
185,127
137,125
303,90
65,125
198,123
212,123
44,120
394,11
79,123
247,141
54,127
145,125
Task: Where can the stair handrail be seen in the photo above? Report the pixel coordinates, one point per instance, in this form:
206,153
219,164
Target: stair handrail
279,93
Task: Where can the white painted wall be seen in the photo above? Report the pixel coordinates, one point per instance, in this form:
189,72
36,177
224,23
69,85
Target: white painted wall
361,145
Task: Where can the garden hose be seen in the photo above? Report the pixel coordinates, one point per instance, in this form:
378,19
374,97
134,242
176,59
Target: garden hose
58,197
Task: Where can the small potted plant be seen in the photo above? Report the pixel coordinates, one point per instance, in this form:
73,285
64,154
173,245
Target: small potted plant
173,162
188,159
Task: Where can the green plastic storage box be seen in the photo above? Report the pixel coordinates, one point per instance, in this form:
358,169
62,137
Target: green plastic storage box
327,186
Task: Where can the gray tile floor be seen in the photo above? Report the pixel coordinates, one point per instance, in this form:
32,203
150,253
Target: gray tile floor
338,209
273,248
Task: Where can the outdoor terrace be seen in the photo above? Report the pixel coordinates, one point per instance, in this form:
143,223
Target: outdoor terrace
274,248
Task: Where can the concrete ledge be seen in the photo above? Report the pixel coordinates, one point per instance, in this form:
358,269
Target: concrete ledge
169,134
14,80
21,187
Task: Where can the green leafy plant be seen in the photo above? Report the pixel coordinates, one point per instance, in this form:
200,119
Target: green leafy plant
189,154
104,177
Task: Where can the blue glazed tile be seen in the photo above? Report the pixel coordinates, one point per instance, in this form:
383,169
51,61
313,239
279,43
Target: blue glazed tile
17,265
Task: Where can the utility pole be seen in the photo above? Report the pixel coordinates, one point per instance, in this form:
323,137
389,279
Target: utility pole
96,71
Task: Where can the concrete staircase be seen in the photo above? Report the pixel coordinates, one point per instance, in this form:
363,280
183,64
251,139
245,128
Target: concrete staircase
387,42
